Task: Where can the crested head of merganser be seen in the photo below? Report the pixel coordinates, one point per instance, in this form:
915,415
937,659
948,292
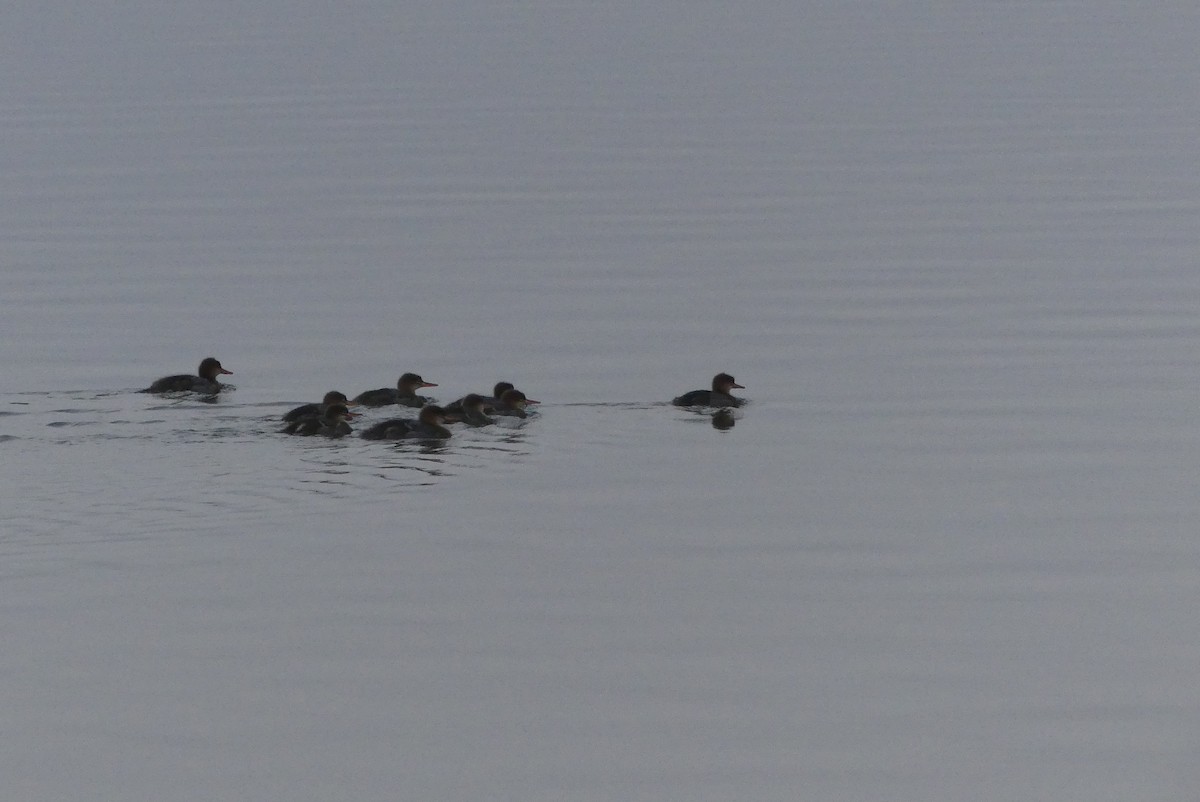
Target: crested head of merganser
723,383
409,383
334,397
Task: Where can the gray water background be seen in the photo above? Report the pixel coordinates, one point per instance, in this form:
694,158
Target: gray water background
948,552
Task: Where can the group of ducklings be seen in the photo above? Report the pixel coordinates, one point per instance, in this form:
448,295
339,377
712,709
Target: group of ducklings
331,416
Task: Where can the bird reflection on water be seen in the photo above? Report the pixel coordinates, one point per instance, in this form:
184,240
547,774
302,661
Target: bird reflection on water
723,420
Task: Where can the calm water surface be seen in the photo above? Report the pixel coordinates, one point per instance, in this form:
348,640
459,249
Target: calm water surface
948,551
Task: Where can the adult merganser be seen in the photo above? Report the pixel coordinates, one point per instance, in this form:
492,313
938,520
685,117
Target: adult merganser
205,380
718,396
331,423
316,410
428,426
404,393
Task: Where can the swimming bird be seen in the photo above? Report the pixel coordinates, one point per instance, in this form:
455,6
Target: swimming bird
718,396
512,403
205,380
428,425
404,393
471,411
316,410
330,423
489,402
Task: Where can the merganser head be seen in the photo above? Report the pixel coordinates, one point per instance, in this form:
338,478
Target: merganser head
500,387
338,412
723,383
334,397
210,368
432,415
473,402
411,382
515,399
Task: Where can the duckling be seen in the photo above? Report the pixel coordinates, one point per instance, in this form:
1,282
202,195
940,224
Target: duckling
205,380
404,393
316,410
331,423
718,396
471,411
455,407
428,425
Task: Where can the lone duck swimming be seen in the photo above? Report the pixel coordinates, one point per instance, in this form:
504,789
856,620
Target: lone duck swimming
331,423
427,426
404,393
316,410
718,396
205,380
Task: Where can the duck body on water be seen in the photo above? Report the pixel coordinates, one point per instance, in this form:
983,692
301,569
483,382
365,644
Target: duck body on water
489,402
332,422
404,393
318,409
718,396
428,425
204,381
512,404
471,411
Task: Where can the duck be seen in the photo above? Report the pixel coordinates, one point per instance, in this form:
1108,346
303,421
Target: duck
332,422
404,393
316,410
205,380
718,396
471,411
428,426
512,403
489,402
